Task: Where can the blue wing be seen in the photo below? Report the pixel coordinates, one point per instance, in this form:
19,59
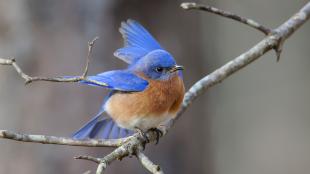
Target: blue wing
119,80
137,42
101,127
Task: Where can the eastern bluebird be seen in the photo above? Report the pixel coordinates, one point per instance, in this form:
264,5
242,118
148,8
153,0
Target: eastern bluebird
144,96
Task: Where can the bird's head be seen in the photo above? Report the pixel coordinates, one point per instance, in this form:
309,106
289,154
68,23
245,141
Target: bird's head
157,65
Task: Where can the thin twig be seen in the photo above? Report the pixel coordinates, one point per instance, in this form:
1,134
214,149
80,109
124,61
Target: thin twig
28,79
148,164
89,158
90,49
246,21
102,165
128,148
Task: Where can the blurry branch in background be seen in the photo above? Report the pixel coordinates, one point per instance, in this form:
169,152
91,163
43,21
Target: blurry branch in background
134,145
250,22
272,41
247,21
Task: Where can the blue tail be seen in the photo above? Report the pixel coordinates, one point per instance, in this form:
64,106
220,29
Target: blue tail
101,127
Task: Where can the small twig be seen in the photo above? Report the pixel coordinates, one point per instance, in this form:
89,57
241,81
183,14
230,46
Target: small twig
126,149
16,67
278,49
102,165
148,164
89,158
28,79
246,21
90,49
44,139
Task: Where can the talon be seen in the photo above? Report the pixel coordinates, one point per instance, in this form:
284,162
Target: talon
158,132
143,145
120,158
144,136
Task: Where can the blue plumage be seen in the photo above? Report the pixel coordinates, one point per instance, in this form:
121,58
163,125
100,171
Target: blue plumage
144,56
101,127
118,80
137,42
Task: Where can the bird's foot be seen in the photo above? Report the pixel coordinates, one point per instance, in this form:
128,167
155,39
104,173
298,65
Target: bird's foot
158,132
144,136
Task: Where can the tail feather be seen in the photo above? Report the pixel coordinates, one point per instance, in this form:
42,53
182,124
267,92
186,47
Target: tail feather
123,133
114,132
86,130
101,127
105,130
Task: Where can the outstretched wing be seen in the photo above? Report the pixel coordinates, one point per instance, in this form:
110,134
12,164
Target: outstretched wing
119,80
137,42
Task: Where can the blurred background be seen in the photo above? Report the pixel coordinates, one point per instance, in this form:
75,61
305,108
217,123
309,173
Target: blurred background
257,121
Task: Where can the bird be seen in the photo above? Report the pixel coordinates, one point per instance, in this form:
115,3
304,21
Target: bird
145,95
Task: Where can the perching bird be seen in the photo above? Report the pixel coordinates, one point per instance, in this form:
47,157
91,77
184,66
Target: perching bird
144,96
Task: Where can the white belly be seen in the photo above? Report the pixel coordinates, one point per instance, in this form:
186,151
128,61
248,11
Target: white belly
145,122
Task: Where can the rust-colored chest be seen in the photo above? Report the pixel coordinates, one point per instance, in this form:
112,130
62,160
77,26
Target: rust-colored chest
160,97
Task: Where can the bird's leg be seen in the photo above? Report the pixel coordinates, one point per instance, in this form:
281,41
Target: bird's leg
158,132
144,136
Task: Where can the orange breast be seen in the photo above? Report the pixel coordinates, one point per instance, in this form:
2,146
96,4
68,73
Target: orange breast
160,97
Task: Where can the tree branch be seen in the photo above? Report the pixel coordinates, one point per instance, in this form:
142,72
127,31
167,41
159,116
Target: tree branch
246,21
133,144
88,158
28,79
278,36
144,160
148,164
44,139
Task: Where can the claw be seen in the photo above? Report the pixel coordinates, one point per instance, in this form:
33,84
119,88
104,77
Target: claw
158,132
144,136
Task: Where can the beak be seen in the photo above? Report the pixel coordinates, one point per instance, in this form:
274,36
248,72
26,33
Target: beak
176,68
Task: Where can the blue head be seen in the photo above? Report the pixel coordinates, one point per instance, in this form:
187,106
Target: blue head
157,65
144,54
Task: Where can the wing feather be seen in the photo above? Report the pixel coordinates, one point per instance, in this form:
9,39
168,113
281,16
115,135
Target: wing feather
119,80
137,42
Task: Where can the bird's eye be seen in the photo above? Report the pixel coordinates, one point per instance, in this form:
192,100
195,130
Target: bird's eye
159,69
